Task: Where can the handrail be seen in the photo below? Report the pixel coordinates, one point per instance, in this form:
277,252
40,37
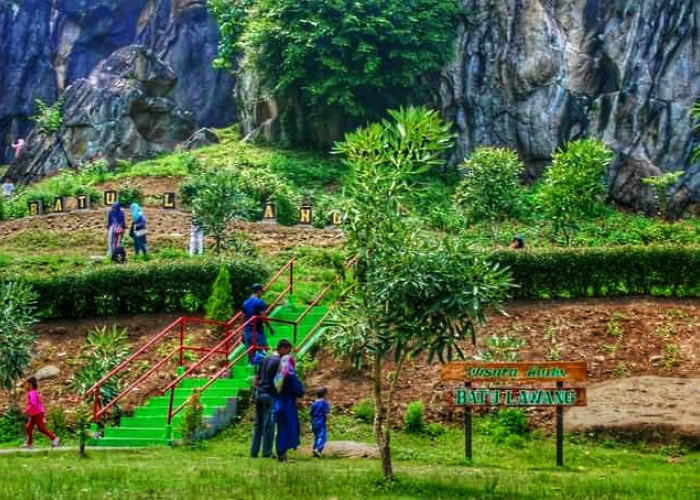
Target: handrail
211,381
137,382
204,358
132,357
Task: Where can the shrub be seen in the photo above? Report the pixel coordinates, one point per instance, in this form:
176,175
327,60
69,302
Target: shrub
490,190
57,421
573,187
49,118
604,272
12,422
364,411
413,420
435,429
219,307
193,419
108,291
513,422
17,315
129,194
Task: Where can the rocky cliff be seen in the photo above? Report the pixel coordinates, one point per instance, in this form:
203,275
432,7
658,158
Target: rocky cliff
532,74
46,45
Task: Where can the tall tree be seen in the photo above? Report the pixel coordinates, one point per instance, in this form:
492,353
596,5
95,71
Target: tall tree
413,293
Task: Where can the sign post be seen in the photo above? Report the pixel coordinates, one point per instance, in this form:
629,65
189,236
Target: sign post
503,388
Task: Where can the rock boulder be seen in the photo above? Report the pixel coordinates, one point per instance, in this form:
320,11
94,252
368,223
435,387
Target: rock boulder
123,110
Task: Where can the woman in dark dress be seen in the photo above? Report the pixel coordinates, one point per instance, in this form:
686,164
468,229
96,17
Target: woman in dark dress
289,388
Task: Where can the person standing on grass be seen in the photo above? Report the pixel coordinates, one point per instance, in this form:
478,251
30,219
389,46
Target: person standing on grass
7,187
35,411
289,389
254,331
319,414
138,229
115,227
265,397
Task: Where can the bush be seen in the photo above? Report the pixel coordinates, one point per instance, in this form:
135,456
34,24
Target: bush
514,422
193,419
604,272
413,420
435,429
219,307
129,194
12,422
160,288
364,411
57,422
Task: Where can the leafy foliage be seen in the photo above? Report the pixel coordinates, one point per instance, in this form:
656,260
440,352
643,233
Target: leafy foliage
231,17
17,315
357,58
49,118
490,190
104,349
110,290
217,202
364,411
662,184
696,115
220,304
573,187
413,420
12,422
413,293
193,419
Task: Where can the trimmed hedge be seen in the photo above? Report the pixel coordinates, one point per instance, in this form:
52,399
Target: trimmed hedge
134,289
604,272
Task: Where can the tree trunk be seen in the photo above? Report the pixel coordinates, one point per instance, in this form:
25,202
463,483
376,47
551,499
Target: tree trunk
381,431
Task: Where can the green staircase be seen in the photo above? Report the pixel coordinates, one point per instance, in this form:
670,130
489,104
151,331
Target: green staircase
148,426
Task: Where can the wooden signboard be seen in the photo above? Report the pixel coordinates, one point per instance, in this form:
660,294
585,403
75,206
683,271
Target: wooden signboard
526,371
305,215
169,200
82,202
110,198
35,208
496,375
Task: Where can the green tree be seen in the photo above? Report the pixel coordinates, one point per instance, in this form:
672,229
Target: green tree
219,306
490,190
414,293
231,16
17,315
349,60
218,201
573,187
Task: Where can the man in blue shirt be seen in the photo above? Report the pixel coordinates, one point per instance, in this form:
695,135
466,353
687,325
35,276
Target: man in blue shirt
254,332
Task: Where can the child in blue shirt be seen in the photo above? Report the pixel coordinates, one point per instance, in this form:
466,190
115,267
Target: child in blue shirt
319,414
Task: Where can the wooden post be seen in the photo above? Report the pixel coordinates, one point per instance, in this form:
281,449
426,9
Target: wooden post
560,431
468,428
182,339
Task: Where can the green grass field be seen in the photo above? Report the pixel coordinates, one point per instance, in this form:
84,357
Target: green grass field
425,467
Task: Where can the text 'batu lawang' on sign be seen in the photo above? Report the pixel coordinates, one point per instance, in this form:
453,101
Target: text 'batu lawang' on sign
520,397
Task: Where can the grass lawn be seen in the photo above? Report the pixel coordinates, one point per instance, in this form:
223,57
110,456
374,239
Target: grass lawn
425,467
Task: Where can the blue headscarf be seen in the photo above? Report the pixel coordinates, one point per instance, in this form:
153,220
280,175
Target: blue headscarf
136,212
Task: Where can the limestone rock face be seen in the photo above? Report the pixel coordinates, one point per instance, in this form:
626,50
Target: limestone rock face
47,45
533,74
121,111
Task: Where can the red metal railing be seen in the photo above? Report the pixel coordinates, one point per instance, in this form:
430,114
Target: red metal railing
181,323
254,347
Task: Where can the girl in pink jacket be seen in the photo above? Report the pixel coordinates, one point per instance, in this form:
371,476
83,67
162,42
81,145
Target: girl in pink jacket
36,413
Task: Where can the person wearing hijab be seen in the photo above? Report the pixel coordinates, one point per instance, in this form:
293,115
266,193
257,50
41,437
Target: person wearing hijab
115,227
289,388
138,229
